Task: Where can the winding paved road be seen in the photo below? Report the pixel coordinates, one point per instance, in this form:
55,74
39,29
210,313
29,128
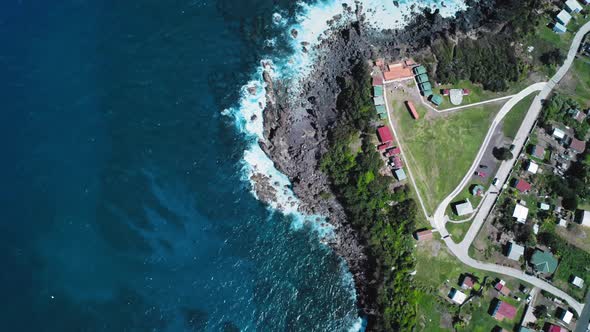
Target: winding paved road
461,250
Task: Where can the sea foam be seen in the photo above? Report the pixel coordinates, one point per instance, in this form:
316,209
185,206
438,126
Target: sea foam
313,23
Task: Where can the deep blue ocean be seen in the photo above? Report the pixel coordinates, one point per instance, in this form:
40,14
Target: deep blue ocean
123,201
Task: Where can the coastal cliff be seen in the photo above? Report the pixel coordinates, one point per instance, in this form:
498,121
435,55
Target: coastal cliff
297,124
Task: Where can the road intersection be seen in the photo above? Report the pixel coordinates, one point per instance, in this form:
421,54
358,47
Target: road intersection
438,219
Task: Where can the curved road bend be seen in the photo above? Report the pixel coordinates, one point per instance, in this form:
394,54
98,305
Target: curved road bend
461,250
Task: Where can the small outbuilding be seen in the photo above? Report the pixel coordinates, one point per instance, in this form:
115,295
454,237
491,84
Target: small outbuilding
457,296
464,208
544,206
515,251
436,99
573,6
424,235
583,218
559,28
563,17
467,282
577,281
532,167
400,175
520,213
558,133
378,91
477,190
566,316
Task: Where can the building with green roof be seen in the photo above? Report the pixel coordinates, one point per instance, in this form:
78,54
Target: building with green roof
422,78
380,108
382,116
419,70
427,93
436,99
378,91
544,262
425,86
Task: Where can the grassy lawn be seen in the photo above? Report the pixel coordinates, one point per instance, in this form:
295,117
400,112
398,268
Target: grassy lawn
441,148
513,119
457,231
576,84
437,271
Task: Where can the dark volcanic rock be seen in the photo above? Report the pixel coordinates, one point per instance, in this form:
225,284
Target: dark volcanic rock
296,125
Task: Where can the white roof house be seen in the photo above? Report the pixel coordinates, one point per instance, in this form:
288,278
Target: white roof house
520,213
457,296
559,28
544,206
464,208
567,316
536,229
532,167
573,6
515,251
558,133
563,17
579,282
562,222
585,219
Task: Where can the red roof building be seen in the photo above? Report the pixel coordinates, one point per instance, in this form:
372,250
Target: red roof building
393,152
523,186
500,287
554,328
424,235
539,152
378,80
577,145
397,162
466,92
383,146
504,310
384,134
412,110
467,282
446,92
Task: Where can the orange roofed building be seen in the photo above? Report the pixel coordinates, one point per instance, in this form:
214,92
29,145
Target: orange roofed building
398,71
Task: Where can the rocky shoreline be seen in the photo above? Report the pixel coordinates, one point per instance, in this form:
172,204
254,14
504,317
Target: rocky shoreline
296,127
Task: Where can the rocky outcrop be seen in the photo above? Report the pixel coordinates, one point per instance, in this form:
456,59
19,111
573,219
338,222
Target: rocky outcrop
296,123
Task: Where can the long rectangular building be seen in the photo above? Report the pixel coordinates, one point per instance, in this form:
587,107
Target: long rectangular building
412,110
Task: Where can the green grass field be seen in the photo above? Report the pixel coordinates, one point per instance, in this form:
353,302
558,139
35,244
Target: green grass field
436,268
458,230
441,149
577,82
513,119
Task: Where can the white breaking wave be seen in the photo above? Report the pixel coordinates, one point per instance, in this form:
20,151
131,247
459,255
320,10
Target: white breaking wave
312,25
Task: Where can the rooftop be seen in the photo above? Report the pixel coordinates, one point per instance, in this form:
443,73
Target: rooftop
521,212
457,296
523,186
544,261
577,145
532,167
464,208
516,251
504,310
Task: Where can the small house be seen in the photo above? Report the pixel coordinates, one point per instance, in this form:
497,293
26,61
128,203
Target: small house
424,235
393,152
384,134
566,316
544,262
583,218
577,146
419,70
445,92
436,99
503,311
563,17
400,175
422,78
477,190
501,287
573,6
412,110
379,101
577,115
522,186
426,86
378,91
559,28
467,282
378,80
577,281
457,296
558,133
532,167
464,208
538,152
520,213
515,251
381,109
554,328
397,163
